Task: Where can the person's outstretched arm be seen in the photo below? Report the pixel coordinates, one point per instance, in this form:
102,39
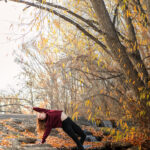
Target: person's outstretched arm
40,109
46,133
48,129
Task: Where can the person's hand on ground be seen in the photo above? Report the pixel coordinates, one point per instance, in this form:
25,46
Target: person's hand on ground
39,141
87,146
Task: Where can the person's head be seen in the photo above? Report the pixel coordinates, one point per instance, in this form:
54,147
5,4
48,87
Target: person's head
41,116
41,121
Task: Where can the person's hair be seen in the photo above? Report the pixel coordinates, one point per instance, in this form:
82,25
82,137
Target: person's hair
41,125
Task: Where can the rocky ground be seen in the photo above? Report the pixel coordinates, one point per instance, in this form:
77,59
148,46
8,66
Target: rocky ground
18,132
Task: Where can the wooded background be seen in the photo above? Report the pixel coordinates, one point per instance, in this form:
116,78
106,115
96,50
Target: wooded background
87,57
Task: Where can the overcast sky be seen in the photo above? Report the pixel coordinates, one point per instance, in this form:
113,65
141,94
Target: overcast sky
9,14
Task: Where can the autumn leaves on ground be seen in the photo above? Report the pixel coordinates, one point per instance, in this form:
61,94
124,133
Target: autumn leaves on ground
54,141
88,58
24,131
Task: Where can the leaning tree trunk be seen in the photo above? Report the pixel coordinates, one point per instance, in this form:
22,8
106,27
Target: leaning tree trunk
120,54
134,55
146,3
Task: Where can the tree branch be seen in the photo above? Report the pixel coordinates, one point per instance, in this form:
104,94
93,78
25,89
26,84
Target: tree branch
68,20
87,21
116,100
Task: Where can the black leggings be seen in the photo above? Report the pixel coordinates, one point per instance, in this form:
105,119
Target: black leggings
71,128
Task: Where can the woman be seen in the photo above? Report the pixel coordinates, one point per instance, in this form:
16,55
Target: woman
48,119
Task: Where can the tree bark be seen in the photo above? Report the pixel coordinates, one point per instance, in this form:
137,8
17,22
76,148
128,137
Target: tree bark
135,54
147,4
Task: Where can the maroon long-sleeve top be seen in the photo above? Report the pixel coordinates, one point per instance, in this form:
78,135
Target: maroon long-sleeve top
53,120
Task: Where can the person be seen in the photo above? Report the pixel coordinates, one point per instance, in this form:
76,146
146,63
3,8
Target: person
48,119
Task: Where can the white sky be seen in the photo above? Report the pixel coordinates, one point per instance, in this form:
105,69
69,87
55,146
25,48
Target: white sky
9,13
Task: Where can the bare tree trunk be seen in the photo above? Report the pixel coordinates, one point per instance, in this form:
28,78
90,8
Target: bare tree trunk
147,5
135,54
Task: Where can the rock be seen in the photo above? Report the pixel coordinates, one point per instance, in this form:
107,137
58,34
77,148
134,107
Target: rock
114,124
106,123
133,148
15,126
3,128
106,144
116,145
84,121
99,138
14,144
27,140
91,138
30,128
15,133
16,120
38,147
146,144
54,132
120,145
102,147
30,125
18,116
87,132
5,148
108,131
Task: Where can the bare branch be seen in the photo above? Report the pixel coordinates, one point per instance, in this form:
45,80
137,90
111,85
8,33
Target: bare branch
68,20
